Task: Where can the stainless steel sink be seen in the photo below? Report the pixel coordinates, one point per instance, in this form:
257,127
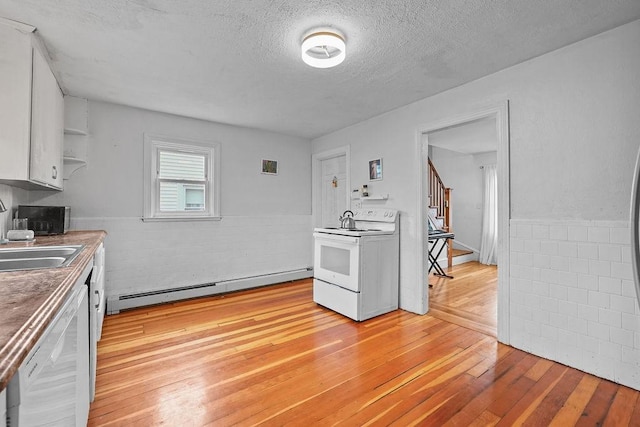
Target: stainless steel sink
38,257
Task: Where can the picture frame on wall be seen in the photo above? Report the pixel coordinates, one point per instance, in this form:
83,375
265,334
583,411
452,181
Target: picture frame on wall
269,167
375,169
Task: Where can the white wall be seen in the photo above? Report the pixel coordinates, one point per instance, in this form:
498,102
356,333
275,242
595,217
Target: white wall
11,197
266,224
574,135
573,298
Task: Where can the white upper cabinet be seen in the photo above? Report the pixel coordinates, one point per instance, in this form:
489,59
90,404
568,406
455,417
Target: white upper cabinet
31,114
47,120
15,103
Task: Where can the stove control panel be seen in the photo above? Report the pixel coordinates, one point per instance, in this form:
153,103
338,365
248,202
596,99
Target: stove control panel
375,214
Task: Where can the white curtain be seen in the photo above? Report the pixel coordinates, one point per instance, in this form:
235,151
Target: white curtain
489,245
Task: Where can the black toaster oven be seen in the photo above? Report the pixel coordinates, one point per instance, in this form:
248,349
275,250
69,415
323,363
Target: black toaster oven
45,220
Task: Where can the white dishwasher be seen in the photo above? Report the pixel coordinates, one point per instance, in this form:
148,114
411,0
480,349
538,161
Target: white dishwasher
97,305
51,386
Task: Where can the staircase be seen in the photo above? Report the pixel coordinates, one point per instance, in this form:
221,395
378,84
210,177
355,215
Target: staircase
440,206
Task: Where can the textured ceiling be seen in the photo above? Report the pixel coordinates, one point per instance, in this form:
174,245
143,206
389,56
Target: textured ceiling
238,61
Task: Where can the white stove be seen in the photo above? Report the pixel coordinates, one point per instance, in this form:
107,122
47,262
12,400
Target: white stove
356,270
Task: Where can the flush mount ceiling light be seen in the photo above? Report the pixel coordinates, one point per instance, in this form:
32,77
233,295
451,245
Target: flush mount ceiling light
323,48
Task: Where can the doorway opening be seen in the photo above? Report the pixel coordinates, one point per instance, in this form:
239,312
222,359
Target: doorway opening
451,140
464,157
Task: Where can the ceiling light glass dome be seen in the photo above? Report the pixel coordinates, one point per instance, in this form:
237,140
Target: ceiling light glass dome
323,49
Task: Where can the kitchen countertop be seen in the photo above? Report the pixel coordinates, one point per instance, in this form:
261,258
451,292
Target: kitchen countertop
29,299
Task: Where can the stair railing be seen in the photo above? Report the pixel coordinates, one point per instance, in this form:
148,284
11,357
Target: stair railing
440,199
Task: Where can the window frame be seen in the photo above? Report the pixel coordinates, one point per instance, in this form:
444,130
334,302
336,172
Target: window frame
153,145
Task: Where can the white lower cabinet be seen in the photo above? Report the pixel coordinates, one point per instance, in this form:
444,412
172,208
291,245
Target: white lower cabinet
31,114
3,408
51,386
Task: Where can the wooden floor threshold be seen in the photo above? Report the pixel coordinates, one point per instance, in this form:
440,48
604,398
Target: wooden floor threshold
465,320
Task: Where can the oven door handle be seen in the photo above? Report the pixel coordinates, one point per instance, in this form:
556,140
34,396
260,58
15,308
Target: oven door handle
336,238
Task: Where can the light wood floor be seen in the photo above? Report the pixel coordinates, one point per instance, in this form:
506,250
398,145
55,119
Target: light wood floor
273,357
469,299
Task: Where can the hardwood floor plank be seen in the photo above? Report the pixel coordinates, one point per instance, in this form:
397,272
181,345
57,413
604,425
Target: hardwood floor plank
574,407
485,419
410,389
554,400
466,320
507,393
407,367
496,385
355,379
501,351
539,369
621,408
635,416
596,410
273,357
424,407
519,412
335,362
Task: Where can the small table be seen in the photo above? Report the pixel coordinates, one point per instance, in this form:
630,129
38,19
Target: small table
440,239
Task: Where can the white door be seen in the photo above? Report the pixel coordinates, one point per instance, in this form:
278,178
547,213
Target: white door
334,190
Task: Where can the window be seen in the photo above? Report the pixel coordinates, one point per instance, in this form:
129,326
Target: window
181,179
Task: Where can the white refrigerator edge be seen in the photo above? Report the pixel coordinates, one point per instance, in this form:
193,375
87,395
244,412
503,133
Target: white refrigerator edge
635,227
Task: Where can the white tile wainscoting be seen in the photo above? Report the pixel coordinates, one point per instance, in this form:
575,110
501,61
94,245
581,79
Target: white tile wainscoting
572,296
152,256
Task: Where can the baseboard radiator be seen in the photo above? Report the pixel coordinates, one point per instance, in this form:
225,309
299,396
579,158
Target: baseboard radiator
116,303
